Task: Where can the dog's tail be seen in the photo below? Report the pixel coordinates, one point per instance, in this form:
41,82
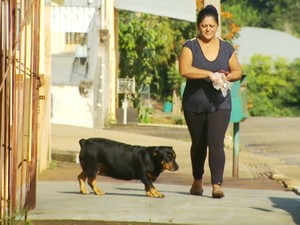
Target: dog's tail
82,142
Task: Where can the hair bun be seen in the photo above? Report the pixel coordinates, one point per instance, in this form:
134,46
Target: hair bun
209,10
212,8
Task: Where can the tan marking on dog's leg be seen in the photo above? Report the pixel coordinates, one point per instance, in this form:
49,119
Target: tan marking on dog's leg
152,192
92,183
82,178
146,189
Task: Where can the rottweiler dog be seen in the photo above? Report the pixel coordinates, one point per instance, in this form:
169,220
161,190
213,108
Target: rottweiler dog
100,156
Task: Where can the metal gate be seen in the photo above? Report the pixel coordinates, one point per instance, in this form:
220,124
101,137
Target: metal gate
19,95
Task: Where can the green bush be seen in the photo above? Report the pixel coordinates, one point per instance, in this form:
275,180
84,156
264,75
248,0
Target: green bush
17,218
179,121
145,114
273,86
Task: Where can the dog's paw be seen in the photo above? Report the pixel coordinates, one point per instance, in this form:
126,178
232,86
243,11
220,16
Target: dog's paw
84,192
155,194
97,191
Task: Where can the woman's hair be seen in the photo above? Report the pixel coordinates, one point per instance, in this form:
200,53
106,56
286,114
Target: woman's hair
209,10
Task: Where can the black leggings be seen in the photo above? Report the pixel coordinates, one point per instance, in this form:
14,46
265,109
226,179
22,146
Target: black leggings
208,130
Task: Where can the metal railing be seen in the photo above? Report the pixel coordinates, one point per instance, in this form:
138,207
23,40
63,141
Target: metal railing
19,95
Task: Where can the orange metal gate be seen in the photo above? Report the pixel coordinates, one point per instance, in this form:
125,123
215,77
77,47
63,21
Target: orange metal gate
19,93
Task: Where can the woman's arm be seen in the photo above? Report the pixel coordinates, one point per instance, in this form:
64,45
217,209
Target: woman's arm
187,70
235,69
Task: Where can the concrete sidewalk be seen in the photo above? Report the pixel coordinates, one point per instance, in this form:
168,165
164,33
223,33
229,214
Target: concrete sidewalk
126,201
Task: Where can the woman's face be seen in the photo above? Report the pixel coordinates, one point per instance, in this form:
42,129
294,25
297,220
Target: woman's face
208,28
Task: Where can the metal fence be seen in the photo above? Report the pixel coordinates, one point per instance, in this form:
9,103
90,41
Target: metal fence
19,96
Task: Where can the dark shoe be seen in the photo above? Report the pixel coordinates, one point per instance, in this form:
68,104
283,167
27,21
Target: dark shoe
218,194
199,193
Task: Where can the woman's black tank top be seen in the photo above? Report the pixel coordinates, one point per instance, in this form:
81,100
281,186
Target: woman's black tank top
199,94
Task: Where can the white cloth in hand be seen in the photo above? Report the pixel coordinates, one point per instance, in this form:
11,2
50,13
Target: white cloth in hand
220,83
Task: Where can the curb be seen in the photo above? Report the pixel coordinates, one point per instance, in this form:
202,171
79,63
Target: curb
65,156
288,183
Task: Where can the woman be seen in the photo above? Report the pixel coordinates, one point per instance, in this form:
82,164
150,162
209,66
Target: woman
206,110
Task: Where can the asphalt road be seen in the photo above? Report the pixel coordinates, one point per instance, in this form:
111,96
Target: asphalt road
274,137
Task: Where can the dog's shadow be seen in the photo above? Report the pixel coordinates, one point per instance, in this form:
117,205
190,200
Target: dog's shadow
106,193
161,191
131,194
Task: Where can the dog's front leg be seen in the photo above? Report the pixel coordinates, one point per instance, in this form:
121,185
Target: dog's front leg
92,183
151,191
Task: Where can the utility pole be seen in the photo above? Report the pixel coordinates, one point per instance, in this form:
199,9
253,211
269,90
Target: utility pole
217,5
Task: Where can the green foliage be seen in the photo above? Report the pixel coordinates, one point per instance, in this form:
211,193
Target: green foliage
145,42
276,11
273,86
179,121
244,14
17,218
169,99
280,14
145,114
294,78
174,79
53,164
149,46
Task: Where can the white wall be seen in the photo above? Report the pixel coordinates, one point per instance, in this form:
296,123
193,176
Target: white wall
70,108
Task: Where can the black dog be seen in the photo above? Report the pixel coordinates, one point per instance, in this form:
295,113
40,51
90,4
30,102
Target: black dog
122,161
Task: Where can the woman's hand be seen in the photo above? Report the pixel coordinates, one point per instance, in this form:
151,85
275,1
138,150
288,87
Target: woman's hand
220,82
228,77
217,78
213,77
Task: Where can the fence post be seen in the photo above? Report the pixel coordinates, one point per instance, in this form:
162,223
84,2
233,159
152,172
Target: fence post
236,149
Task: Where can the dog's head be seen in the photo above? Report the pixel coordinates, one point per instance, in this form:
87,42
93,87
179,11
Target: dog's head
166,157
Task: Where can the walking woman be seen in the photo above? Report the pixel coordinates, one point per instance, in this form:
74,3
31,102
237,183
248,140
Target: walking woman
206,62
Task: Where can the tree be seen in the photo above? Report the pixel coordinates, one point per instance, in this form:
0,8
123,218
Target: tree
273,86
293,77
242,13
280,14
145,43
149,46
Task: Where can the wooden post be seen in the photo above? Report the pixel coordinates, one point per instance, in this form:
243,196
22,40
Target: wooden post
236,149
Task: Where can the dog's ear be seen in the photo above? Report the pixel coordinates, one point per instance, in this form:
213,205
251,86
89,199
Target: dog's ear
82,142
155,152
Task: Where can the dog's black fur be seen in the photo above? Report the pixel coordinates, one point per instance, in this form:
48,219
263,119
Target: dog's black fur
122,161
